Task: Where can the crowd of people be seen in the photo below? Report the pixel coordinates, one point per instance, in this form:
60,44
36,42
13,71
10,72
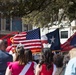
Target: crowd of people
23,63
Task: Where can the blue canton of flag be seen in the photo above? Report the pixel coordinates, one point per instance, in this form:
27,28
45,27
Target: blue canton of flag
54,39
33,34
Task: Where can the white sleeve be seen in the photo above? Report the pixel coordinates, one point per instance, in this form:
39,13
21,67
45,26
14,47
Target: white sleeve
71,67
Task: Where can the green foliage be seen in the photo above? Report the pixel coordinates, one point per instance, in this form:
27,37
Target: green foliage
50,13
38,12
22,7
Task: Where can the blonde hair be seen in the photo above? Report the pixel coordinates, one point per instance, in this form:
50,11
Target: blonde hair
72,53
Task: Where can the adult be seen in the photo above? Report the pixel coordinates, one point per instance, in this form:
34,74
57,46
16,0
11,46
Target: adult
71,66
23,64
58,61
4,57
45,67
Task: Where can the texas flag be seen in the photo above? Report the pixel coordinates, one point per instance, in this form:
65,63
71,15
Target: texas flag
53,40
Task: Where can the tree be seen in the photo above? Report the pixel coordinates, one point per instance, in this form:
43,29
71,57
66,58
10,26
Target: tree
50,13
39,12
22,7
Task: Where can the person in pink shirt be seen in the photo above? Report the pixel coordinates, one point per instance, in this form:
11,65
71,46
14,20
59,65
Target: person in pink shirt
23,64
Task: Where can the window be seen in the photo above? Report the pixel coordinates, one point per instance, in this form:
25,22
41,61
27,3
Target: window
64,34
8,24
16,24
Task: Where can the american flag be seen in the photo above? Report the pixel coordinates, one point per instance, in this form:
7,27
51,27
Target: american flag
30,40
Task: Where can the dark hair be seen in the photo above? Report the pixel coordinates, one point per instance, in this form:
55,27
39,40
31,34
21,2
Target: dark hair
46,58
20,55
5,43
58,60
28,56
66,59
23,55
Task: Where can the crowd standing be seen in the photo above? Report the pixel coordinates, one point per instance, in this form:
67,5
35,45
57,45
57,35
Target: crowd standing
23,62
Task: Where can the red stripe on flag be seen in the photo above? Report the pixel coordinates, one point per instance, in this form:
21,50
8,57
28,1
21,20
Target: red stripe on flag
32,44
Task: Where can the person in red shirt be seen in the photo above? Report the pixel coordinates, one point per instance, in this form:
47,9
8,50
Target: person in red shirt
45,67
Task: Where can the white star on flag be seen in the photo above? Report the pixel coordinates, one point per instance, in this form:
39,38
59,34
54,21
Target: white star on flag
52,39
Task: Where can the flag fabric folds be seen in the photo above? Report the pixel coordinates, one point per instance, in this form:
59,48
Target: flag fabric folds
54,39
70,43
30,40
44,39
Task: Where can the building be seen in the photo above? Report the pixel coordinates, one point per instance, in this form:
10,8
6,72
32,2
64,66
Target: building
9,25
66,30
